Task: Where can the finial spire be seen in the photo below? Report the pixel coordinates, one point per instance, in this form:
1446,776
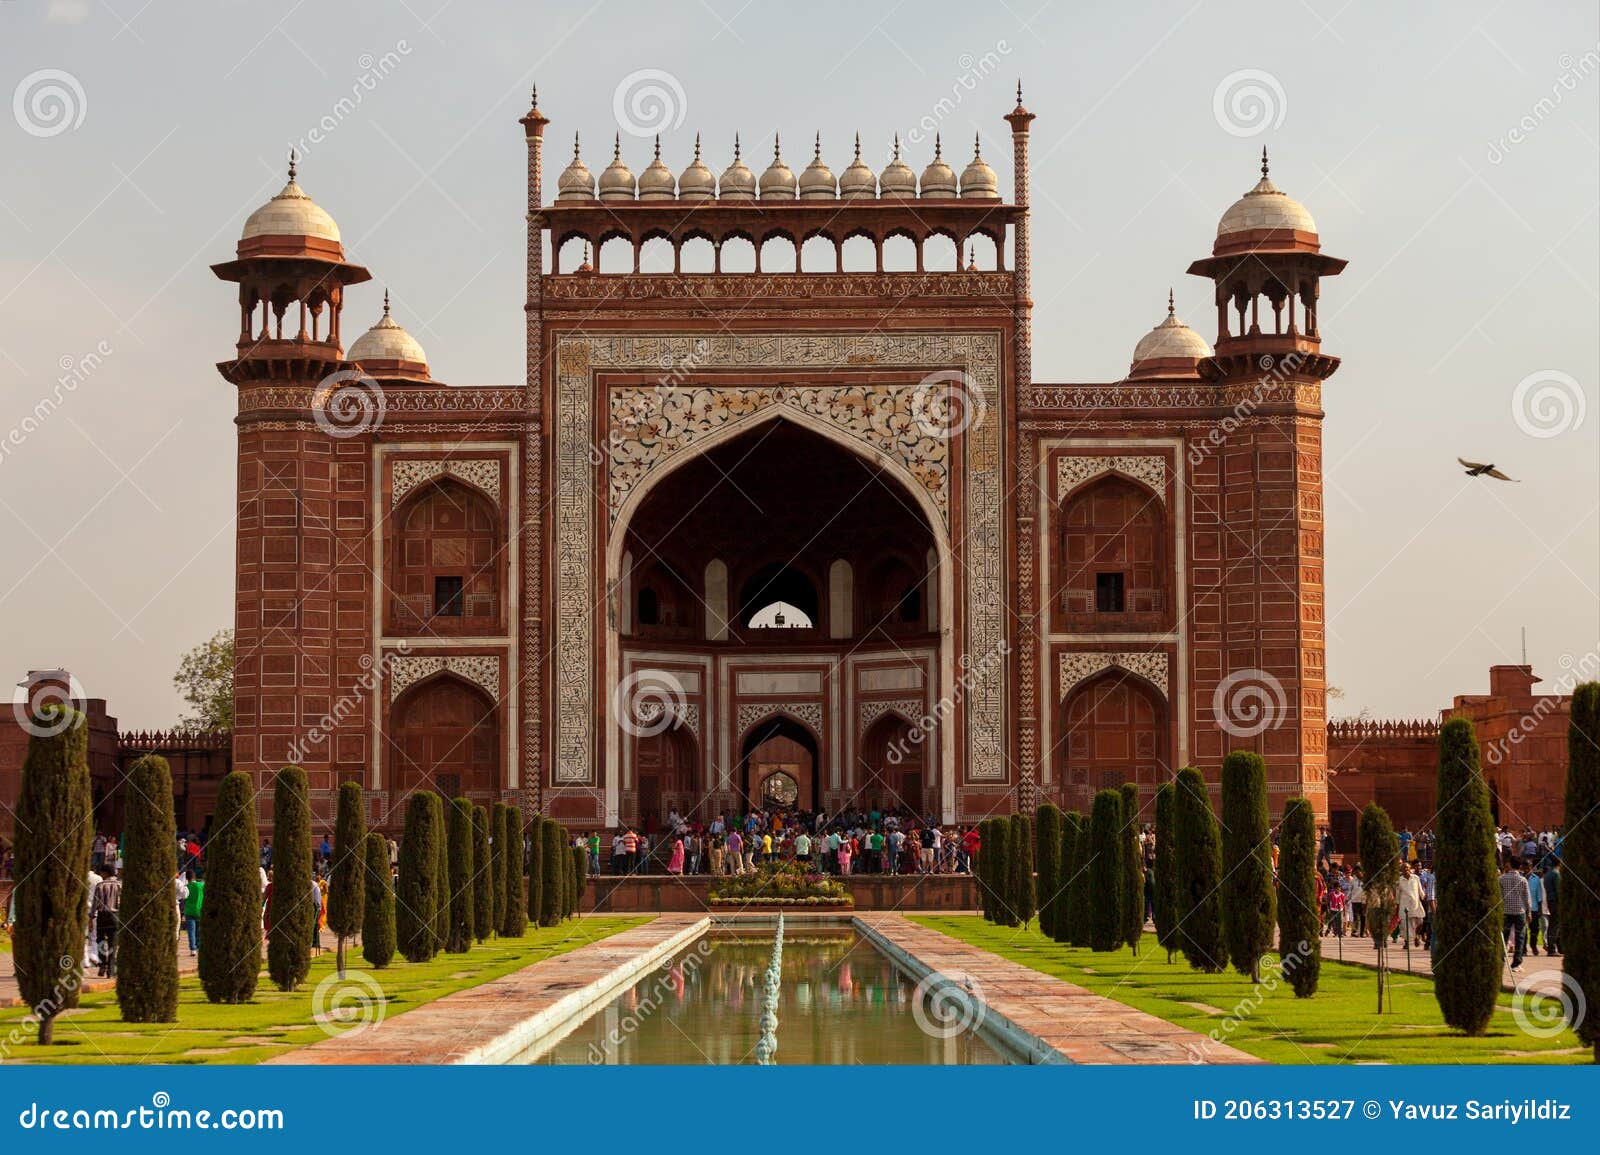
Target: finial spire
535,96
977,146
736,146
1263,162
858,146
386,302
574,146
775,143
1171,310
1019,91
697,146
293,161
658,146
616,147
938,146
816,152
897,146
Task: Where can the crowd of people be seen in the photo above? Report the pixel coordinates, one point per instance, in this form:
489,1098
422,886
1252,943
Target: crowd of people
877,841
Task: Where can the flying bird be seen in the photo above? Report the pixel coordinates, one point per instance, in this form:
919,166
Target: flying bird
1479,469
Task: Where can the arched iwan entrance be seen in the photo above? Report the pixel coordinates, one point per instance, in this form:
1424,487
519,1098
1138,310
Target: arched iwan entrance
445,736
778,765
1112,729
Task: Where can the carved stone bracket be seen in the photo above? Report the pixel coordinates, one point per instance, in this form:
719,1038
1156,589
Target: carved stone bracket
1077,667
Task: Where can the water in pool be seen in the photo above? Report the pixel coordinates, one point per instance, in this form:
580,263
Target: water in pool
840,1002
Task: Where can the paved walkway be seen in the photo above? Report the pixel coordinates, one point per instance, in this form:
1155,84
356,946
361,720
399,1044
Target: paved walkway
1539,973
495,1021
1082,1026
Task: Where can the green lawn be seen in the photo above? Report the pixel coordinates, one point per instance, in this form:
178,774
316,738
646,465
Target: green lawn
1337,1025
277,1022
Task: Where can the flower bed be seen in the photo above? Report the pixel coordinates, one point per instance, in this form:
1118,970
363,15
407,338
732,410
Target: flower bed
780,884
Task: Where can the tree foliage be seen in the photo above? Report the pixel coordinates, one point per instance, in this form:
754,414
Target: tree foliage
1166,903
1019,874
377,908
147,932
1468,916
1579,891
552,884
416,893
1132,868
483,891
1299,917
535,853
230,917
1080,896
293,909
1249,906
580,879
1198,872
205,679
441,875
462,888
1047,852
53,832
347,885
1107,875
494,830
1061,919
514,915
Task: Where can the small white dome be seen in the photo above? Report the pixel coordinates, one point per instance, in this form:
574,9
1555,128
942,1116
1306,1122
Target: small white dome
816,181
777,183
897,179
576,183
938,179
697,182
291,214
656,182
978,181
1265,207
386,341
857,181
738,182
1171,340
616,181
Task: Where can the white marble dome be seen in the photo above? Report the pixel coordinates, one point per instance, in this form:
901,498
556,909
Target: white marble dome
938,179
1171,340
386,341
777,183
738,183
616,179
656,182
817,182
897,179
978,181
1265,207
697,182
576,182
856,182
291,214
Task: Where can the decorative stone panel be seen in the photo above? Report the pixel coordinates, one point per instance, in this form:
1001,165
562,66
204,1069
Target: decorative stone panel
869,712
1079,666
752,712
406,475
405,672
1072,470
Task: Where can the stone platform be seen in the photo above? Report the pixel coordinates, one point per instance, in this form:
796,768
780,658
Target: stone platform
663,893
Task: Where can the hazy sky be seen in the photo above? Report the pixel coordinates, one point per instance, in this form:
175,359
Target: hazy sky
1449,151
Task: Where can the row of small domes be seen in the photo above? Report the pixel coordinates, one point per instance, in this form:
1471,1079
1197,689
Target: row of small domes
778,183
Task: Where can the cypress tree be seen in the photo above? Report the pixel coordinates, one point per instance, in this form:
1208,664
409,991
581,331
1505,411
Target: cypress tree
1047,852
347,884
1380,869
1107,876
377,907
514,920
441,875
147,931
1166,904
495,825
535,853
416,894
230,916
1061,929
1132,868
580,878
1468,951
483,891
1579,893
294,914
554,868
54,833
1000,872
461,877
1020,875
1198,874
1299,917
1249,909
1080,899
984,870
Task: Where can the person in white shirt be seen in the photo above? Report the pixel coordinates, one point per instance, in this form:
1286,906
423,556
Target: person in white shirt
1408,893
180,891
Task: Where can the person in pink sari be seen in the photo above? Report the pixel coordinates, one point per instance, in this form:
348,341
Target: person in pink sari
675,863
844,856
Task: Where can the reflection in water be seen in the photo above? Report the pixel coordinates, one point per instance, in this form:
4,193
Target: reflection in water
841,1002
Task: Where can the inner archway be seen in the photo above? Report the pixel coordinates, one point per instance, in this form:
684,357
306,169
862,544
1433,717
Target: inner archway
445,736
891,772
1113,729
778,759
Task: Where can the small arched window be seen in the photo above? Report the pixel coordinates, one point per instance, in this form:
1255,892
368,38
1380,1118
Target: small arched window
649,608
